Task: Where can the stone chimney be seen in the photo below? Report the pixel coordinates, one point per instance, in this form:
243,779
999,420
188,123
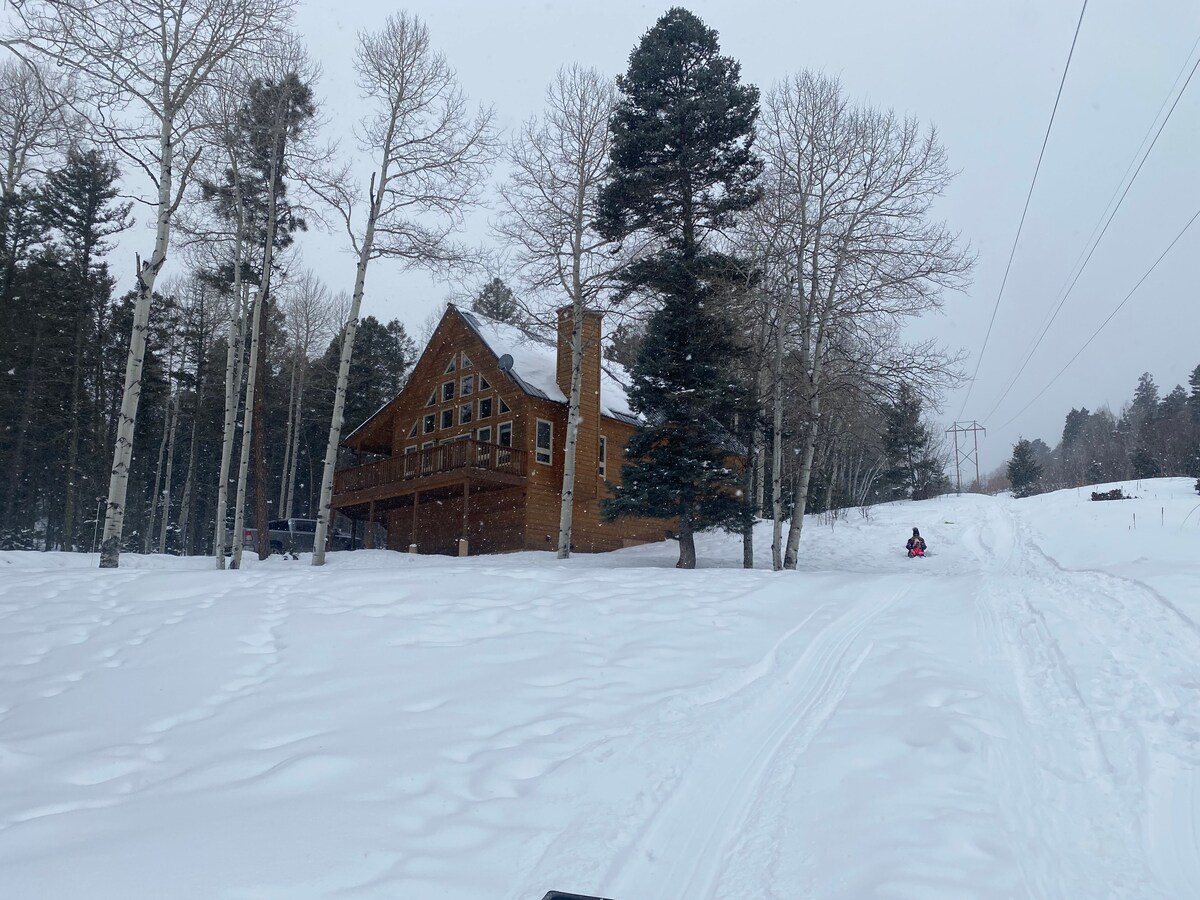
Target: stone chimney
587,450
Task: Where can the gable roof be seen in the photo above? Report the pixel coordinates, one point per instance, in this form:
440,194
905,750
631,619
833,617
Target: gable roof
535,366
534,369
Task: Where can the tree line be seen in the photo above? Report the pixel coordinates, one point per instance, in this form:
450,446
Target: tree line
1153,436
759,254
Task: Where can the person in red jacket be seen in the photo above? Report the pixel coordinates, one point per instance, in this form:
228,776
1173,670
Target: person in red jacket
916,544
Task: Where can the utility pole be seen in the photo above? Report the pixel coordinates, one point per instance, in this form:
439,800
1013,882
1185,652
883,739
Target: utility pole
965,453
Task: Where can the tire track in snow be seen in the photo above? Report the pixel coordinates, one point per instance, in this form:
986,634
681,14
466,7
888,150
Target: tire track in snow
1080,792
703,817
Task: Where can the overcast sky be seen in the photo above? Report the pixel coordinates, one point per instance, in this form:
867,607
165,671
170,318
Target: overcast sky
985,74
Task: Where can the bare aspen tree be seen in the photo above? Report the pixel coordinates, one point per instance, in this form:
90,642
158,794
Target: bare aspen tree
852,238
234,363
557,163
33,120
142,65
310,316
431,152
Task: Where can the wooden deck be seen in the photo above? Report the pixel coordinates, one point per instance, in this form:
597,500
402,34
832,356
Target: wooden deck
428,471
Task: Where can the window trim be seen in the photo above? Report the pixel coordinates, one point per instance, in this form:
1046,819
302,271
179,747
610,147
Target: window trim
479,413
538,450
412,432
447,418
452,366
465,362
464,413
430,424
447,390
484,434
466,386
500,429
411,448
504,407
483,383
432,401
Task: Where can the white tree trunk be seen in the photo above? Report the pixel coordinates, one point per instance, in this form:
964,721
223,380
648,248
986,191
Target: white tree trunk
567,505
324,520
292,472
233,382
166,491
118,482
239,510
287,438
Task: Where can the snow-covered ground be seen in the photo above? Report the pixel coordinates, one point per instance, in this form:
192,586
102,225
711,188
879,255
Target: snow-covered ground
1016,716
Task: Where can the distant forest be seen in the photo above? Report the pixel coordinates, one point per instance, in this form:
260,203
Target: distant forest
1153,436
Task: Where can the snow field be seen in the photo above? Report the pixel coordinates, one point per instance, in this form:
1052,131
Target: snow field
1015,716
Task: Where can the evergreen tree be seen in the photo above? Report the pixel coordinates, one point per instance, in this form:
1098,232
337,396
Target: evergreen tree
914,469
497,301
1024,471
680,166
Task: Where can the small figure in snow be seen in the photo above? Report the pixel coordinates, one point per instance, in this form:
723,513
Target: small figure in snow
916,544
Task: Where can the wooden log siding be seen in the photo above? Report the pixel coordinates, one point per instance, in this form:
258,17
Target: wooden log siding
466,454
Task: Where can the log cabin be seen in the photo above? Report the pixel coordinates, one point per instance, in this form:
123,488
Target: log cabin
468,457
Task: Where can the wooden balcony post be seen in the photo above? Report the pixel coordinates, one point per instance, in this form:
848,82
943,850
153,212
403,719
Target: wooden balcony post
462,542
370,543
412,546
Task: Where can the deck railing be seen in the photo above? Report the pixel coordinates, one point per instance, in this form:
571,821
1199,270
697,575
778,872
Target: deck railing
445,457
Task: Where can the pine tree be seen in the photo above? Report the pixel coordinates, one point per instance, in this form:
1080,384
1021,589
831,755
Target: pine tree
914,469
681,165
1024,471
497,301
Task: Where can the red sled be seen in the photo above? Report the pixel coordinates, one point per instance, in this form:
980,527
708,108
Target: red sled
917,551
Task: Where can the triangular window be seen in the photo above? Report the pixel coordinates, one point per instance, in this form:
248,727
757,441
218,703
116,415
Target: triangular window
412,432
432,399
504,406
453,364
483,383
466,361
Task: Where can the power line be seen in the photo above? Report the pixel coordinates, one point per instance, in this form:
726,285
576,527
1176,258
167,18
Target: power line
1107,222
1020,225
1120,305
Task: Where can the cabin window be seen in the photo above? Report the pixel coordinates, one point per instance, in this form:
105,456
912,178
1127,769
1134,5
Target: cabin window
467,388
448,390
452,366
430,423
545,441
603,455
485,407
447,418
432,398
484,435
504,434
483,383
412,432
427,445
411,448
464,414
466,361
504,406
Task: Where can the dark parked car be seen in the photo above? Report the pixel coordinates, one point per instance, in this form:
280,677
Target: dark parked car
293,536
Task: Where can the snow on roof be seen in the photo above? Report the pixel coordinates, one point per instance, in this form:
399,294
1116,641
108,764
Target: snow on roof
535,366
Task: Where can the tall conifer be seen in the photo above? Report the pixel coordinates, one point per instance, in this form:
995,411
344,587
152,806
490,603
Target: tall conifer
681,167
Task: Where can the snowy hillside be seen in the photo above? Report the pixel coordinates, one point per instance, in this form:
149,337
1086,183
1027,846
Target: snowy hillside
1016,716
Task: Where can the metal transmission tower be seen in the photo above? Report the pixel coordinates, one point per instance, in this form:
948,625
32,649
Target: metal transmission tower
965,453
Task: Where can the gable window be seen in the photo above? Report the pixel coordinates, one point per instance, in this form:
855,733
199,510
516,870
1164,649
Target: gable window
484,435
466,361
545,441
504,434
603,455
504,406
427,445
485,407
411,448
483,383
432,398
448,390
412,432
430,423
452,365
467,387
447,418
464,414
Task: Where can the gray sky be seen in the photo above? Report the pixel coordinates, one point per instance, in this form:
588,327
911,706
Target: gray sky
985,74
